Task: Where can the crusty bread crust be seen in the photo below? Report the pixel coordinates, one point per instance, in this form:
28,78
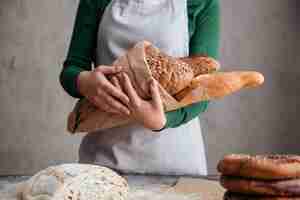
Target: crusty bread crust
201,64
265,167
172,74
282,188
219,84
175,74
235,196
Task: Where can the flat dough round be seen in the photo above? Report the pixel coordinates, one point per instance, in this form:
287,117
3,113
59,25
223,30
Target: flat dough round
76,182
282,188
235,196
266,167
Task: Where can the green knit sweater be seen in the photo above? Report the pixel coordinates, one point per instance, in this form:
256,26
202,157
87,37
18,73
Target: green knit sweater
203,19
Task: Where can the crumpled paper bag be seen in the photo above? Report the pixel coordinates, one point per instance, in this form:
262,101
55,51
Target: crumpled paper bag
85,117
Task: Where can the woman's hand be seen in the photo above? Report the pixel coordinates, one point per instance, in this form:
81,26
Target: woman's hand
95,86
149,113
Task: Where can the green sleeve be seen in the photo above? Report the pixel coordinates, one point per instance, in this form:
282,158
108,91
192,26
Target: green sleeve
204,31
204,25
83,43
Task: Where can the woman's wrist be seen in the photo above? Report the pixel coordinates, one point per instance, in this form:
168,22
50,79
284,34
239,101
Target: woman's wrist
77,85
159,130
81,78
162,127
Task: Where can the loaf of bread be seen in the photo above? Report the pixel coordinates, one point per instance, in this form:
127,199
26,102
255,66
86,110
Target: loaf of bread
181,83
261,167
217,85
237,196
75,182
175,74
201,64
277,188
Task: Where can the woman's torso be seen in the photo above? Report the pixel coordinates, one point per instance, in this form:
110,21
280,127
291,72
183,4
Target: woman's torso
133,148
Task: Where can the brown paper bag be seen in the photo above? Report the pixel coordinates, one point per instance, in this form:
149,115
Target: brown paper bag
85,117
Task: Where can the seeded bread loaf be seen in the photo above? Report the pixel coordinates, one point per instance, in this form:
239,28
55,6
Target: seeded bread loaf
201,64
175,74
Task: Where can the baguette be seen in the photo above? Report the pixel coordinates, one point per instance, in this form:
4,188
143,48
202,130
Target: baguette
218,85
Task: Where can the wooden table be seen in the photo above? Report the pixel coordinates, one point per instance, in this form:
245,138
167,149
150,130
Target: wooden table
207,187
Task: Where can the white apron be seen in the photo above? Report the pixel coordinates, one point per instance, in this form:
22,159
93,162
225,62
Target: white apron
134,149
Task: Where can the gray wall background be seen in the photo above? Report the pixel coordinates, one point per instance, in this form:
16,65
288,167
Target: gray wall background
265,36
259,35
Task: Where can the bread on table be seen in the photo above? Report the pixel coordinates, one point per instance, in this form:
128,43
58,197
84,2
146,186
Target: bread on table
263,167
282,188
236,196
75,182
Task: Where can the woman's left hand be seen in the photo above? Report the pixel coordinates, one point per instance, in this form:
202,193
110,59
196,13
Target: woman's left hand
150,113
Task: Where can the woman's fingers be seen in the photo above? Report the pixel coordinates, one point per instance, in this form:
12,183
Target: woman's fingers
113,103
133,96
101,104
155,94
114,91
107,70
117,105
116,82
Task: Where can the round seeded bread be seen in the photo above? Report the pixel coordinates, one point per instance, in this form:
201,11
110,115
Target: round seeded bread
282,188
236,196
265,167
75,182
